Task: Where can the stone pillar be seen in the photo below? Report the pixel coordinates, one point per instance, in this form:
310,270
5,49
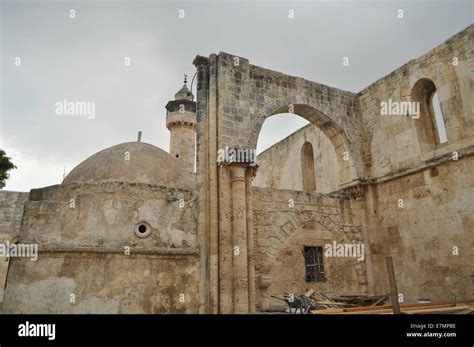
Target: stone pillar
226,252
371,232
202,165
250,174
213,190
239,237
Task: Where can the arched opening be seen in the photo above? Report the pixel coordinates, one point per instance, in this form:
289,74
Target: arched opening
307,168
277,128
430,127
290,164
280,165
440,126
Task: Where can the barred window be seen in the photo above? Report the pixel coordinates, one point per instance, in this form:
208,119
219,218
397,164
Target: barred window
313,258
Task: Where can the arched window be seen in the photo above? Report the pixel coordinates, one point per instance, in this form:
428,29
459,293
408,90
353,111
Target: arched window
307,168
442,137
430,127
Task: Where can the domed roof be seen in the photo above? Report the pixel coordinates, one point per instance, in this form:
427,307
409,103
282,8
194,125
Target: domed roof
146,164
184,94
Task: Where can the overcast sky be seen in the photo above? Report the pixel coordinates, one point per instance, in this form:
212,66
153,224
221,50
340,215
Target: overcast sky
82,59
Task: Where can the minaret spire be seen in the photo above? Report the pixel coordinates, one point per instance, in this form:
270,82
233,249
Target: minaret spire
181,122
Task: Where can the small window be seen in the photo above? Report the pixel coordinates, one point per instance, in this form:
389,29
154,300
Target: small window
307,168
430,127
143,230
440,126
313,258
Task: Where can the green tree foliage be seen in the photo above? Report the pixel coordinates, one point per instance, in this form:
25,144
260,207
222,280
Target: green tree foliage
5,166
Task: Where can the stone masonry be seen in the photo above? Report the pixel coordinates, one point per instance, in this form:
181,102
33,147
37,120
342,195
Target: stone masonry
393,186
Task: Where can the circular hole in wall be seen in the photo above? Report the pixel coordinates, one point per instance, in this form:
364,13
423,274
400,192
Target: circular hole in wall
177,155
143,229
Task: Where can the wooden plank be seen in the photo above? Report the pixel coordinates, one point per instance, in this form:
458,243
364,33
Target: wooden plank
407,308
333,303
412,310
441,310
386,307
382,299
309,293
4,265
376,309
393,286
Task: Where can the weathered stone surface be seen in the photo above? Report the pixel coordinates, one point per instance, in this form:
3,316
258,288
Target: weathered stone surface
133,162
89,247
381,181
102,283
281,235
280,165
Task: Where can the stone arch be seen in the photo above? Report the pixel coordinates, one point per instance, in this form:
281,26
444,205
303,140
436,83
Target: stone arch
310,220
346,149
307,167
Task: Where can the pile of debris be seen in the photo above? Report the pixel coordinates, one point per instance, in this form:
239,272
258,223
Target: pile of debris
443,307
318,303
313,300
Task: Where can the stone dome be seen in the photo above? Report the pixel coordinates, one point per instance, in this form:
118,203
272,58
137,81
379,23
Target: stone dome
184,94
147,164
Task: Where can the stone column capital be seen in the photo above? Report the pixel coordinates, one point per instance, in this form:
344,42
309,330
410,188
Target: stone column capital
237,172
200,61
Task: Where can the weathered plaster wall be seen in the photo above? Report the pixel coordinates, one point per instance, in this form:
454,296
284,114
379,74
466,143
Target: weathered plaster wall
280,165
11,211
84,231
102,283
282,231
106,214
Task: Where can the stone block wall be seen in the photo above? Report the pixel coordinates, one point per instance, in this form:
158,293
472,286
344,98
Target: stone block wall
249,94
392,141
281,232
11,211
431,237
280,165
434,188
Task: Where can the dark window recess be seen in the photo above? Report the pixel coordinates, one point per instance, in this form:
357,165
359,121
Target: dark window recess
142,228
313,259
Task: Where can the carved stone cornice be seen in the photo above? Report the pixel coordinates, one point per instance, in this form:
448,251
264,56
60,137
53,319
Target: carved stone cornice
181,124
355,189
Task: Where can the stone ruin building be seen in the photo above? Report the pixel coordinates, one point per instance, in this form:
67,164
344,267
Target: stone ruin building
134,229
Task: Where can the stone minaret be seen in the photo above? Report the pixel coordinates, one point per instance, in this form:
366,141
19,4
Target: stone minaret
181,122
